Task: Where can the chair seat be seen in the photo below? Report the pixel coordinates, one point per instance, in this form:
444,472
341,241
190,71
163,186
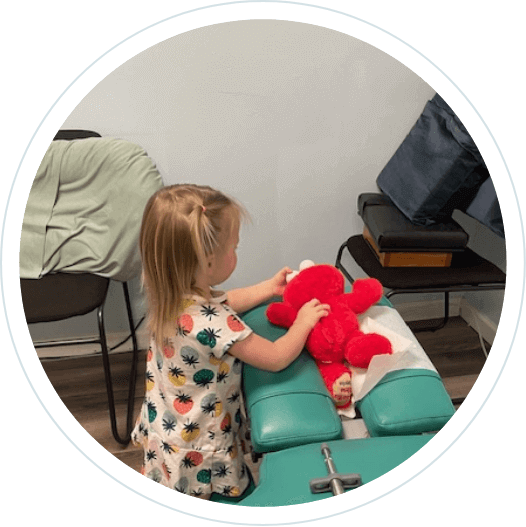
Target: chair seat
62,295
467,268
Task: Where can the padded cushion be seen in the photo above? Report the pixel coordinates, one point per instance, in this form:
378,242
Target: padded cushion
291,407
436,168
392,231
284,476
467,268
406,402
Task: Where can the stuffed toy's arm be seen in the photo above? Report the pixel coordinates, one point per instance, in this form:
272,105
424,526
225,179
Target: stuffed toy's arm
365,292
281,314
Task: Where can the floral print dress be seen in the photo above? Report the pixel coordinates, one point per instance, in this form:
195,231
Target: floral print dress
191,421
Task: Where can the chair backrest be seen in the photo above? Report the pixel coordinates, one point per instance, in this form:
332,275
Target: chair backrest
68,135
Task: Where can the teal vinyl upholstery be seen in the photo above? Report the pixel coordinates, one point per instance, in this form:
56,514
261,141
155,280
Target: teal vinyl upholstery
411,401
291,407
291,414
284,476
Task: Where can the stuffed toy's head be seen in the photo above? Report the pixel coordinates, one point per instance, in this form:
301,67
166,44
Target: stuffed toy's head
316,281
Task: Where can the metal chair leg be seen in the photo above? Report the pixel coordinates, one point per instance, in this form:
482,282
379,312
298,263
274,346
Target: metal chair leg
339,265
130,314
135,359
446,311
426,328
444,320
108,377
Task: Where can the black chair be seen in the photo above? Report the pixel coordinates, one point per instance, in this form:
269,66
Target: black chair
60,296
390,231
436,170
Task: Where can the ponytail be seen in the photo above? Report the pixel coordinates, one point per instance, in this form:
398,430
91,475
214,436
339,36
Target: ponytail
204,233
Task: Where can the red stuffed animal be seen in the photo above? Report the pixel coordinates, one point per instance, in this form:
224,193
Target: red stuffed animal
336,338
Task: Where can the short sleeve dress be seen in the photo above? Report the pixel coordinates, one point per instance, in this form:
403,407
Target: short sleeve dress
191,421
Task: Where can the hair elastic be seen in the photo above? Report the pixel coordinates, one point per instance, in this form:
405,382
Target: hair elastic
204,208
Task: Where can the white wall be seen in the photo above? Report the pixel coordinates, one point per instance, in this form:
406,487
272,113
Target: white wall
293,120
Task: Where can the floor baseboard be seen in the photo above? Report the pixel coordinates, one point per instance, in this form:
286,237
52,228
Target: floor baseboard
485,327
427,309
409,311
89,349
458,306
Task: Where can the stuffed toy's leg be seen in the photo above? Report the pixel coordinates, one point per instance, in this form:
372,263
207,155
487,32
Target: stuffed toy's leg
337,378
362,347
325,341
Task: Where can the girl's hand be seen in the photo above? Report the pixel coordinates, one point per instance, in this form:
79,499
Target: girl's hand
311,312
279,281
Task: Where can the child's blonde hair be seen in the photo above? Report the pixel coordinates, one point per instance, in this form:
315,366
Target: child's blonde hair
182,226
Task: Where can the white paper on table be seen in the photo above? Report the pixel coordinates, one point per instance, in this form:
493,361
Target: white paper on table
407,352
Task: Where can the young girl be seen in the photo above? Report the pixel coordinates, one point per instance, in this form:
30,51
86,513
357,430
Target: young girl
191,417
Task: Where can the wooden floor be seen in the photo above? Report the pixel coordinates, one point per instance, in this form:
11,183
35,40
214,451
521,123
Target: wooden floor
454,350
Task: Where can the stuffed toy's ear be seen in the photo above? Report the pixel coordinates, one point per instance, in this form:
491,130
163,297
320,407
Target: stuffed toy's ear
303,265
292,275
306,264
281,314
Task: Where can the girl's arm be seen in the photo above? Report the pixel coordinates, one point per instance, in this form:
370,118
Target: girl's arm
245,298
276,356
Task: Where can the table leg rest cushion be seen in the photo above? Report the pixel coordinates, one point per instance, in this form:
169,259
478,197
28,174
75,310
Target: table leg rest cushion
406,402
284,476
291,407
